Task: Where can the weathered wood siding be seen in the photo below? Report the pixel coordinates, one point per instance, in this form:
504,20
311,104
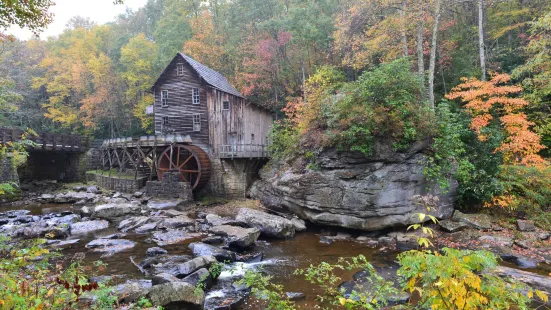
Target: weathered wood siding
180,108
238,124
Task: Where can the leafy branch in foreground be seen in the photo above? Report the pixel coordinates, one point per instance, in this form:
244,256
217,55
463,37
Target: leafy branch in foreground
461,279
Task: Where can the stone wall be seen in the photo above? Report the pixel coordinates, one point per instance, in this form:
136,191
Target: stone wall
232,178
118,184
170,187
9,172
49,165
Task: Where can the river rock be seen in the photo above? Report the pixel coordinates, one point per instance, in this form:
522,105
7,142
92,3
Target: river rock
364,287
72,197
237,236
201,276
452,226
176,295
166,204
176,222
64,243
162,278
43,230
113,211
173,237
526,225
110,246
133,290
88,226
154,251
193,265
47,198
478,221
65,219
294,296
226,299
269,225
497,241
534,280
354,191
146,228
132,223
300,225
202,249
214,219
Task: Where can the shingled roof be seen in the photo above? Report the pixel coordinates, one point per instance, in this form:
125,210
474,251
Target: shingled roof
211,77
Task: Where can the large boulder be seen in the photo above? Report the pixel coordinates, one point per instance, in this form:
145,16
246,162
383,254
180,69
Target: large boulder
110,246
238,237
176,295
353,191
269,225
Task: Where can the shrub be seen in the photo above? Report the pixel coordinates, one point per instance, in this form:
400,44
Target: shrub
384,104
283,140
460,279
29,280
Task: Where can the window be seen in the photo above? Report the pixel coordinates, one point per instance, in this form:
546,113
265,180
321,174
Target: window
197,122
180,69
165,121
225,105
164,98
195,96
252,138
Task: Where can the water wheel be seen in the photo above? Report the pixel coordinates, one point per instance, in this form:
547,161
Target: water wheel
190,160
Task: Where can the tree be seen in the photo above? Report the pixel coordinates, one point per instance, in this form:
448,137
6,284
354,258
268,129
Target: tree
32,14
484,99
138,57
434,41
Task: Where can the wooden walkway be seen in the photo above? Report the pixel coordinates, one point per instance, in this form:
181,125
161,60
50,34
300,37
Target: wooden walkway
46,141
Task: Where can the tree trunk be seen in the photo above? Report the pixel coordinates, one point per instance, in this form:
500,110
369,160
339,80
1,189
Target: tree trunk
432,64
403,29
481,38
420,49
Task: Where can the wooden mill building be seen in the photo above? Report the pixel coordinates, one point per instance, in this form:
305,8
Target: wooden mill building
204,128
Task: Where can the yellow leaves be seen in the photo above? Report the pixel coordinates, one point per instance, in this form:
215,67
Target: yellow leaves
542,295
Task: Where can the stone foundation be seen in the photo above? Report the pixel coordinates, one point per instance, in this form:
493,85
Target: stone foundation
9,172
117,184
232,178
170,187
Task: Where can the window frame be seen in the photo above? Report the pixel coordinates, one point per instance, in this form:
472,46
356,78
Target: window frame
180,69
195,95
164,120
224,103
196,121
164,99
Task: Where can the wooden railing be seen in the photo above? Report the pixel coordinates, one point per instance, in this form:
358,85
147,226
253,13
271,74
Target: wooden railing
45,141
243,151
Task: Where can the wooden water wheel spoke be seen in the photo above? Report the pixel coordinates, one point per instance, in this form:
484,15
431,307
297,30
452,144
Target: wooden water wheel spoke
195,169
185,162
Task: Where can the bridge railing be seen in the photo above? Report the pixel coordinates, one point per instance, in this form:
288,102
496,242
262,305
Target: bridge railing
44,140
243,151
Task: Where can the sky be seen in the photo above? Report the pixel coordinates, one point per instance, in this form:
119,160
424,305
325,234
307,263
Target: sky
100,11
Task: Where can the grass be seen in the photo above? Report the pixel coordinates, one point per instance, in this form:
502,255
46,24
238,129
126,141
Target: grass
113,173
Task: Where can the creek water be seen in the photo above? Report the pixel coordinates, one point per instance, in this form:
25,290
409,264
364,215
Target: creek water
281,257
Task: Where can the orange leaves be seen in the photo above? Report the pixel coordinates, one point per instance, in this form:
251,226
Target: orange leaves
487,98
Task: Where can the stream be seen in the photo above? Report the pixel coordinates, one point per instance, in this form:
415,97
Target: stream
281,256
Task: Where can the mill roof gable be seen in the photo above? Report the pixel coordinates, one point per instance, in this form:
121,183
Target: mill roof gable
210,76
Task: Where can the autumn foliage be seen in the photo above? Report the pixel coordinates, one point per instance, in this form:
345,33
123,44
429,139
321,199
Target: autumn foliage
494,101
